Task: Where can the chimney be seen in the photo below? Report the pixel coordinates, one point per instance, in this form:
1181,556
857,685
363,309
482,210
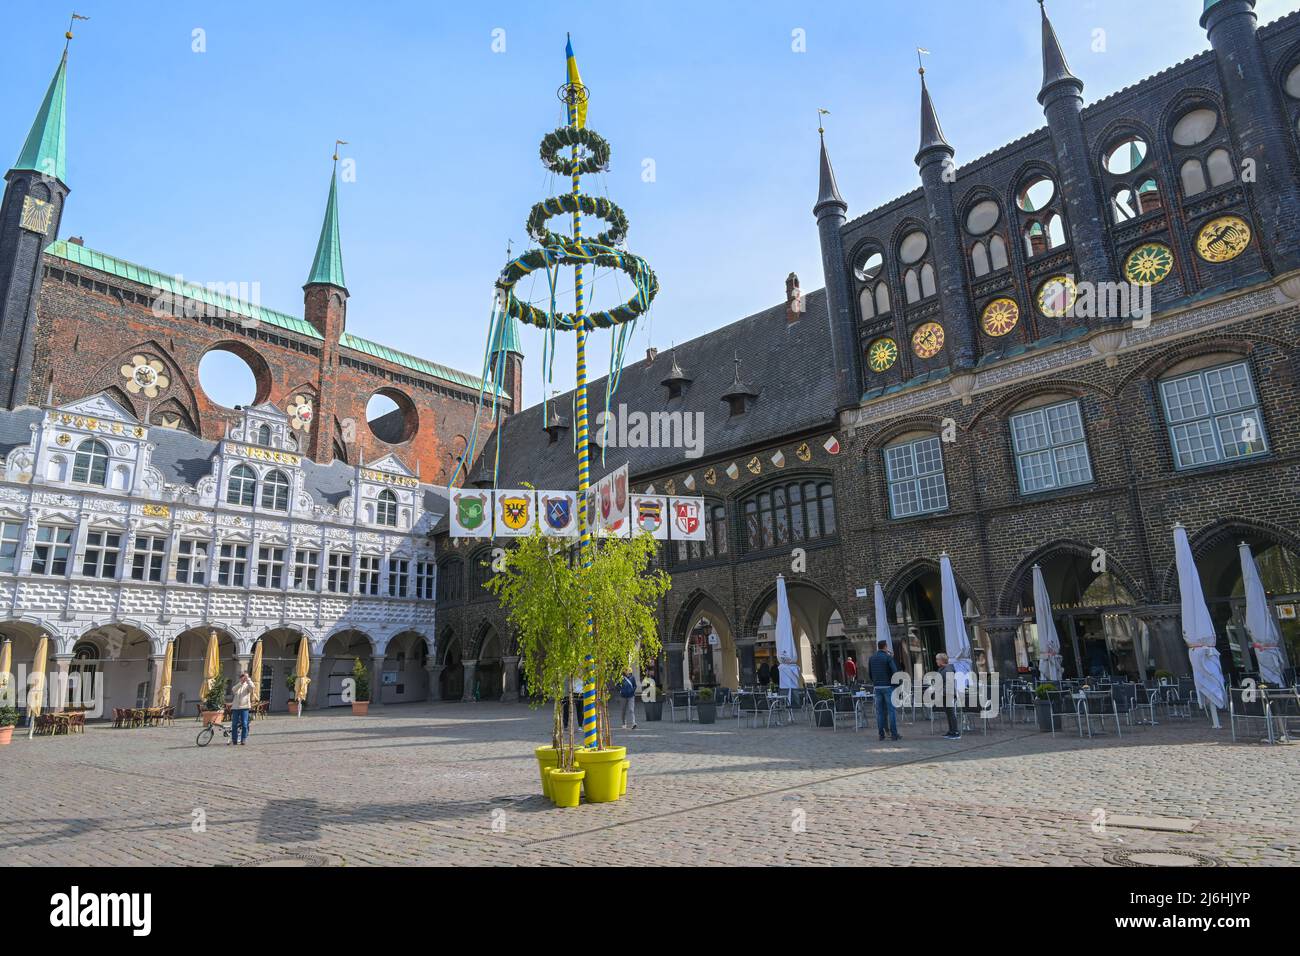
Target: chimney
794,304
651,354
76,241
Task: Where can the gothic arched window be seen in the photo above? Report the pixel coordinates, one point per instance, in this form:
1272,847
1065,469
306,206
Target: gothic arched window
90,467
241,488
275,491
386,509
792,512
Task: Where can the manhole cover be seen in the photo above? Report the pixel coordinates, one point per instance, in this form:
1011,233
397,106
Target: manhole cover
1165,857
290,859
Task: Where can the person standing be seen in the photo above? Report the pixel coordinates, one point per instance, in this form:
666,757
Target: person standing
949,701
627,691
241,702
764,675
881,668
850,670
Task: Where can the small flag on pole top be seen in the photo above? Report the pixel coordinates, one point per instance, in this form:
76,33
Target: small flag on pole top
575,80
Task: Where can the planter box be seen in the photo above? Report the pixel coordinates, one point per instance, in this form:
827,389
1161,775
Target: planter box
1043,710
360,708
654,710
293,708
708,712
6,735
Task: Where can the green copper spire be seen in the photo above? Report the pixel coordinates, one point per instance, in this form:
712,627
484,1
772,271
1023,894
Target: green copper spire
46,148
508,340
327,267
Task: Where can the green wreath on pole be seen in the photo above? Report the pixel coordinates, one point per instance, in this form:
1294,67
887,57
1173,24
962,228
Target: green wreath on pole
589,206
565,137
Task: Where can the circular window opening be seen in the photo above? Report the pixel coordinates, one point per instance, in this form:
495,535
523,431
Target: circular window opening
1195,127
391,416
1036,194
982,217
868,265
913,247
1292,84
228,378
1126,155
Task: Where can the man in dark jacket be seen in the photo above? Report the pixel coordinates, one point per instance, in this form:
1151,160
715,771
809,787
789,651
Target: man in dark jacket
881,668
764,674
949,705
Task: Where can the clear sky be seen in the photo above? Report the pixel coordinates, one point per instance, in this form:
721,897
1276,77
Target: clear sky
215,164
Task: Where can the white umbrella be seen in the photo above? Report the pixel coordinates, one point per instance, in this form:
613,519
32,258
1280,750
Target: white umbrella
1198,630
791,677
1049,645
955,640
882,620
1260,624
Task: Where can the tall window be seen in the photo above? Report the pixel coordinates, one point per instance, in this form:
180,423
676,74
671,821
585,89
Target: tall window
90,467
275,491
451,581
914,473
1051,450
270,567
232,568
241,488
368,574
714,544
798,511
339,576
1213,415
53,544
11,533
191,561
386,509
264,435
424,579
102,550
398,576
147,564
306,566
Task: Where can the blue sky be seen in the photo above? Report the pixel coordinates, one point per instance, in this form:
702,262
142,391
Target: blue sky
216,164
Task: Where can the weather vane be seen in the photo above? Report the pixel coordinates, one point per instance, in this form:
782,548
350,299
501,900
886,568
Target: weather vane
68,33
920,66
337,144
820,113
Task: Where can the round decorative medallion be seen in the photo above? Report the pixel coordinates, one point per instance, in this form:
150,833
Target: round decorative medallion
300,412
145,375
1223,239
927,340
1149,264
882,354
1000,317
1056,296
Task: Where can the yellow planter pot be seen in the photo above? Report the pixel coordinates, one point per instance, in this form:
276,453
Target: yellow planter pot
604,773
547,757
566,786
622,787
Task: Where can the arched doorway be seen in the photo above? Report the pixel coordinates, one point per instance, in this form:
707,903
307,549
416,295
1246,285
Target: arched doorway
188,656
918,615
338,657
488,675
709,657
404,661
23,638
818,634
452,679
279,662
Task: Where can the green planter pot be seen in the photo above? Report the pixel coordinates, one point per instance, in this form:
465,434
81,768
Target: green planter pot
1043,710
708,712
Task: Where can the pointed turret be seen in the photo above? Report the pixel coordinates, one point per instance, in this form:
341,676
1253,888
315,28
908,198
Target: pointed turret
45,150
828,192
1056,70
327,267
931,131
830,211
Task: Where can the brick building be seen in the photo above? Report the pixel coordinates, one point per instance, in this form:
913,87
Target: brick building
981,375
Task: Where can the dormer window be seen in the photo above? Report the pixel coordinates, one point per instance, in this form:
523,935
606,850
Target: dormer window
241,488
386,509
676,382
275,491
90,467
264,435
741,394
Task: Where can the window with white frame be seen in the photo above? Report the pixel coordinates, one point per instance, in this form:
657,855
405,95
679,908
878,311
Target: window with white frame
192,561
338,577
914,473
398,576
90,466
241,487
424,579
368,574
147,561
275,491
386,509
11,534
53,545
1050,446
270,567
232,567
1213,415
306,566
102,550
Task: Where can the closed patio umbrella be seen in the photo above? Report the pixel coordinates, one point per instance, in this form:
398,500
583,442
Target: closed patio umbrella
1265,639
211,664
6,669
956,641
786,654
1198,630
164,698
1049,665
36,685
300,671
255,671
882,620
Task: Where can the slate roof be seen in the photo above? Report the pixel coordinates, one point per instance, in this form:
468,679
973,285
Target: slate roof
788,364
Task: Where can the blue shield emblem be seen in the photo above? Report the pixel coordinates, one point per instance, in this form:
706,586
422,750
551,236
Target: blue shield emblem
559,513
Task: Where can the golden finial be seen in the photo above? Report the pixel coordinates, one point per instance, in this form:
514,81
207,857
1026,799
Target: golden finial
67,35
820,113
920,66
337,144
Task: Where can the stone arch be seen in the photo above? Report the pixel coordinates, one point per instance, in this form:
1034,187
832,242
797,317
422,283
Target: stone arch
1001,409
916,569
450,657
701,604
877,440
179,390
1243,344
1217,533
1190,98
1018,580
341,647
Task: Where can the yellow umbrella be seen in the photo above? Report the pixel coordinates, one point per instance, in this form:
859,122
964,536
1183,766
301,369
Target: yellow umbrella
6,666
36,685
165,681
255,672
301,680
211,664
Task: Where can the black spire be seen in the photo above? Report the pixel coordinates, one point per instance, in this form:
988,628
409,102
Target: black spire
1055,70
931,131
828,193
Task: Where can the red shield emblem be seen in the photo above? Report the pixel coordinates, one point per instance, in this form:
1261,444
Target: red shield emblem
605,502
687,516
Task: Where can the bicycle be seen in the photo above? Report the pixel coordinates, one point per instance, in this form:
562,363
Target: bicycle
207,733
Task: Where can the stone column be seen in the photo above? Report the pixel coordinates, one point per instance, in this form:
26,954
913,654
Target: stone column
56,685
1002,637
315,693
155,679
745,654
676,658
242,663
471,667
377,680
435,680
511,667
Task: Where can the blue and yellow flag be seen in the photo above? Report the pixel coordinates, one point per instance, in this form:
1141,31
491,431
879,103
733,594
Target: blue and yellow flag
575,79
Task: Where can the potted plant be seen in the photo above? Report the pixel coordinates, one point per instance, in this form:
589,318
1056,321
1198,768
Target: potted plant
360,688
291,682
214,701
654,707
824,717
707,707
8,717
1043,706
1164,677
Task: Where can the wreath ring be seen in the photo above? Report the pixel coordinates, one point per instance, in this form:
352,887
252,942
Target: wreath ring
581,253
597,157
589,206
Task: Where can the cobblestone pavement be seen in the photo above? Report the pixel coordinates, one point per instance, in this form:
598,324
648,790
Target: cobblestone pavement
457,783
